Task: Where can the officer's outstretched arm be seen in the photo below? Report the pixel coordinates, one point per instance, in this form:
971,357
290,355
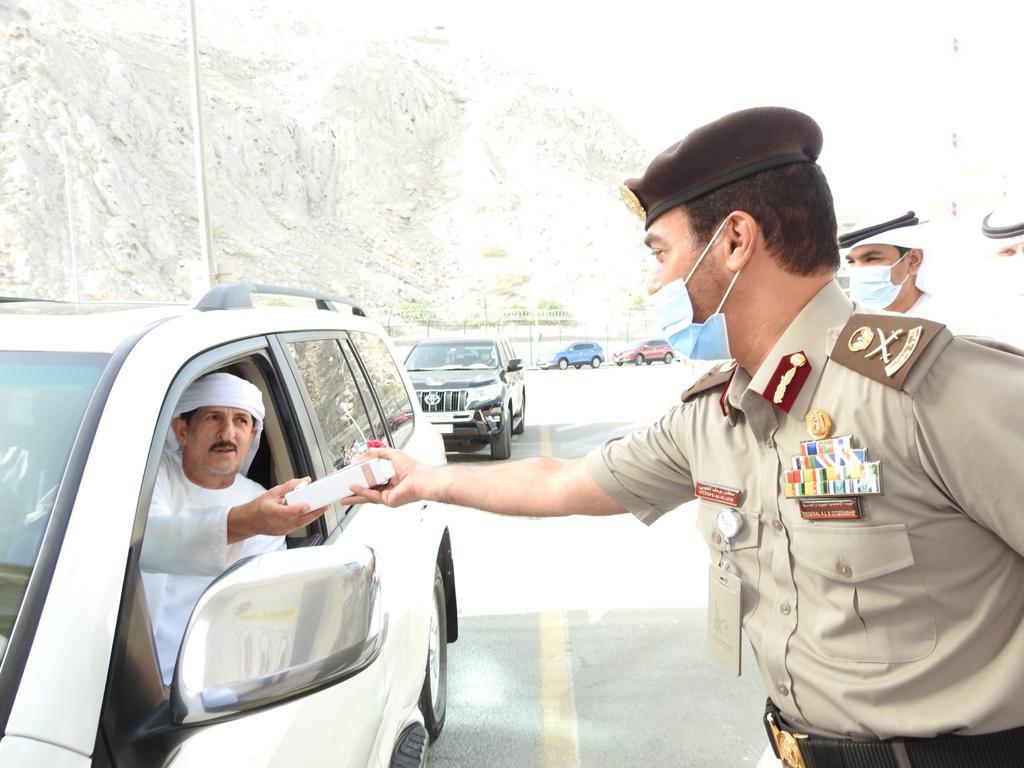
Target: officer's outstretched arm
542,487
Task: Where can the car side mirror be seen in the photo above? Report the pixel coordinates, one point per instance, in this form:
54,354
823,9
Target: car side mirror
515,364
277,626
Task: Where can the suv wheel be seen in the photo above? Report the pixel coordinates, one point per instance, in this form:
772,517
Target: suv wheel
668,358
562,363
595,362
434,695
639,359
501,445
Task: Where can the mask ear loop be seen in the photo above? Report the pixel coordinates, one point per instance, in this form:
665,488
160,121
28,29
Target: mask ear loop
727,292
901,258
704,253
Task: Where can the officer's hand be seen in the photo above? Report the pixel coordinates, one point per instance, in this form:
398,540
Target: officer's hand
268,514
399,490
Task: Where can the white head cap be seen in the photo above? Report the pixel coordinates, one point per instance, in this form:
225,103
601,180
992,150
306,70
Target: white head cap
227,391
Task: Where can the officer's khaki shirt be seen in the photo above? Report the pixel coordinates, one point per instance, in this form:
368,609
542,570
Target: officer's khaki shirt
908,621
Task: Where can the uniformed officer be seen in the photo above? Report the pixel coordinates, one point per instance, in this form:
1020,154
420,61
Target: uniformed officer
883,260
858,475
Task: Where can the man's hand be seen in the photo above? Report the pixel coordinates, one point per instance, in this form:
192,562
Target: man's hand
399,490
269,514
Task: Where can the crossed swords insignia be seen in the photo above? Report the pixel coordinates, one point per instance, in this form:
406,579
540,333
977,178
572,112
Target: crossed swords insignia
884,342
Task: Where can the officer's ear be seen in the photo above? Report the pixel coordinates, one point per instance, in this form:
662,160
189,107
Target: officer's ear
739,236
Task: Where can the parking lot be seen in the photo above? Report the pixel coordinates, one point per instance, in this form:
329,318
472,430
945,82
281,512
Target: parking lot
582,640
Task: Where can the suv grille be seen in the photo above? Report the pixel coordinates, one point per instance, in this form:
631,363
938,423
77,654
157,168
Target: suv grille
443,400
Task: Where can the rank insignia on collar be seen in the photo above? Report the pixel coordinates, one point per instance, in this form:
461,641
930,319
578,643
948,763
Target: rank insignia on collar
785,383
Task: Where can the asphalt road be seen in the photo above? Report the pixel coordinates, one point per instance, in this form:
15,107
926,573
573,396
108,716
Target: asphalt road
583,640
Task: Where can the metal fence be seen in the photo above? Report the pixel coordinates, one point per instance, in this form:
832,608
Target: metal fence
532,334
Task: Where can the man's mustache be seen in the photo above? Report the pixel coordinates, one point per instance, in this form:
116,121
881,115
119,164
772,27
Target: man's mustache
224,444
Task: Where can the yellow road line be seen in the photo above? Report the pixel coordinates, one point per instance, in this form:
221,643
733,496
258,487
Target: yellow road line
558,708
559,742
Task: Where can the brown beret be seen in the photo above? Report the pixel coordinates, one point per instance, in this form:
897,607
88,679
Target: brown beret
719,153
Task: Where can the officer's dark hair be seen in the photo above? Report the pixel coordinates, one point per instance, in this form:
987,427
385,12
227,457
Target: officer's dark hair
792,205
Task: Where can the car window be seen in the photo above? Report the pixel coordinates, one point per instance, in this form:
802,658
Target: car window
183,546
335,398
43,397
388,383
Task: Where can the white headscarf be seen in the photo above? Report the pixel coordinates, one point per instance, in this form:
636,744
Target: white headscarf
227,391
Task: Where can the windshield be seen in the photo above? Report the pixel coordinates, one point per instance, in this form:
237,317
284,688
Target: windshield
42,401
451,356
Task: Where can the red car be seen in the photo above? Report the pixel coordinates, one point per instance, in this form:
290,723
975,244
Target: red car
646,352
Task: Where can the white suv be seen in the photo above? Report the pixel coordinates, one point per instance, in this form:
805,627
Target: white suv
329,652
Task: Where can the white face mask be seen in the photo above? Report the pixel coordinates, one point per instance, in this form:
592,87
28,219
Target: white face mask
873,286
674,309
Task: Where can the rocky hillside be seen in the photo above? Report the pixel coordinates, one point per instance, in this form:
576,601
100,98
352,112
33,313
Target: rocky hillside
393,171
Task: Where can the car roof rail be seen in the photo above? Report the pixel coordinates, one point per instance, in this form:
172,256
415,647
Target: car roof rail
11,299
239,296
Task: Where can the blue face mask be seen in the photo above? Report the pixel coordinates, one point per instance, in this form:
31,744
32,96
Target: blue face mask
873,286
672,306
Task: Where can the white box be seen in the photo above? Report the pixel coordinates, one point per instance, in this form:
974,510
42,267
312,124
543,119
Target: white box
337,484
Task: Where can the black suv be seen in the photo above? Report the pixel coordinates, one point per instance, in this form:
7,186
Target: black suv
472,390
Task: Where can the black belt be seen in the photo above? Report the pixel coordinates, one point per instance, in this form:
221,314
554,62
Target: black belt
1004,749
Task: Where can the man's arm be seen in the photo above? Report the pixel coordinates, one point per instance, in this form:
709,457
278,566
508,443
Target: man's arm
541,487
269,514
195,541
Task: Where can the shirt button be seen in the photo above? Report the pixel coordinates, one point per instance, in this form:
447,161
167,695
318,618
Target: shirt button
769,443
844,569
777,525
783,689
785,608
717,538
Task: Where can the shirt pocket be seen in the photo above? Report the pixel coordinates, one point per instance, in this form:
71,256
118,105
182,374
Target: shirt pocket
741,551
861,593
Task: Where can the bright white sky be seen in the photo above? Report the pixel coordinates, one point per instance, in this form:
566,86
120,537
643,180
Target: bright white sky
881,78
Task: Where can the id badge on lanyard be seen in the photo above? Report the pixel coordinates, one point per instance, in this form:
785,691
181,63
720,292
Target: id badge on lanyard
724,616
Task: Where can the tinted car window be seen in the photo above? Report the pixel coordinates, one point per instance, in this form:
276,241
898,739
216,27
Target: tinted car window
335,398
387,382
42,400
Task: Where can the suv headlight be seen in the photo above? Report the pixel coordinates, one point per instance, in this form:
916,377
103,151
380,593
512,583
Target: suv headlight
484,394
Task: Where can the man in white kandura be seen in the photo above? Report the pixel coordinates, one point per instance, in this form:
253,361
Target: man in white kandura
206,514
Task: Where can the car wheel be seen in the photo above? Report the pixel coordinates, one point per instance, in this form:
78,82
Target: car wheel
563,363
618,363
434,694
668,358
519,428
501,445
639,359
595,362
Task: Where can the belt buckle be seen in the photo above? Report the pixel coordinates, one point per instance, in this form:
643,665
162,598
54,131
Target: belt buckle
787,745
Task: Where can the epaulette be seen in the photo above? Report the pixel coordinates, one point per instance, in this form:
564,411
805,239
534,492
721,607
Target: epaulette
715,377
884,347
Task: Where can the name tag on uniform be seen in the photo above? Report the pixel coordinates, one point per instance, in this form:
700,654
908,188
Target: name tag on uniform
722,494
724,618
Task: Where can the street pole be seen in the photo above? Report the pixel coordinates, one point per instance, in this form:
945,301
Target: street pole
205,240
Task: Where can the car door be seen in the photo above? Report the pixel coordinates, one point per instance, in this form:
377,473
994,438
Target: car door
139,722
